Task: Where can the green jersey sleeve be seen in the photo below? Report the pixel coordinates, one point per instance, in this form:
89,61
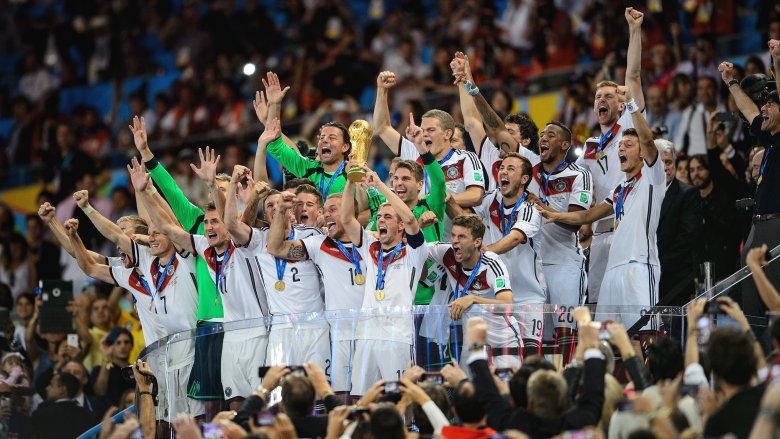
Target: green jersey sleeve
189,215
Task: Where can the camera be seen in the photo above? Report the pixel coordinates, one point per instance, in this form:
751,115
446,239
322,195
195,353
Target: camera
128,375
392,387
357,413
504,373
264,419
433,378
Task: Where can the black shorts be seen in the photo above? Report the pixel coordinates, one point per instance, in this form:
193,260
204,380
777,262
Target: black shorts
206,378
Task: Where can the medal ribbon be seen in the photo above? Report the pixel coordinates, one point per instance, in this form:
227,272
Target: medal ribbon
324,190
219,268
466,287
352,257
547,177
281,264
605,138
505,228
620,201
767,151
382,268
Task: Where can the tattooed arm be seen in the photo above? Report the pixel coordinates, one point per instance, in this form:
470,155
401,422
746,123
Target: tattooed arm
277,244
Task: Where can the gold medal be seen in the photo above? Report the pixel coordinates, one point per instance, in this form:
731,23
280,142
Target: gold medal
600,155
279,285
380,294
360,279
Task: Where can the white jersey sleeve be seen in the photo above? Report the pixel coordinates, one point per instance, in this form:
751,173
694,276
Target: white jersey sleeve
258,238
473,173
529,221
655,172
407,150
497,274
142,256
582,190
199,243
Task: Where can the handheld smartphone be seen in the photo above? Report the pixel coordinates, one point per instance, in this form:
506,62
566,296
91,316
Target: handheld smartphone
504,373
264,419
704,325
724,117
357,413
73,340
128,375
713,307
297,370
689,390
602,327
262,370
433,378
392,387
625,405
212,431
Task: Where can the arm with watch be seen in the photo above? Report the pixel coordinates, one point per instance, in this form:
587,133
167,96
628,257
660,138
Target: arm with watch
146,398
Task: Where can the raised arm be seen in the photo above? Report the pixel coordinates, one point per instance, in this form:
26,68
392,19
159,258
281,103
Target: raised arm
111,231
756,261
411,226
493,124
273,129
576,217
646,143
746,106
382,126
275,96
239,231
47,213
154,205
259,192
85,261
634,57
278,244
774,50
347,212
472,120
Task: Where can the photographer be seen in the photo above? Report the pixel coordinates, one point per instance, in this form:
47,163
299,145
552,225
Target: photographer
765,125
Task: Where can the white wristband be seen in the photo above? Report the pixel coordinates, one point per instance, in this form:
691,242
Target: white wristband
87,210
631,106
151,190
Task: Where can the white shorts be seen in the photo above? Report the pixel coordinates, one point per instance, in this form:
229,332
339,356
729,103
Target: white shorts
597,263
298,345
531,321
241,358
342,353
628,292
378,359
566,289
175,396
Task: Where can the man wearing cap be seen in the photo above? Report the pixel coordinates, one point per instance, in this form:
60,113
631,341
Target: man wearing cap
765,125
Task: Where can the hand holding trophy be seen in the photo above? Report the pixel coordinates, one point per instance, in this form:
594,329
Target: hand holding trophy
360,134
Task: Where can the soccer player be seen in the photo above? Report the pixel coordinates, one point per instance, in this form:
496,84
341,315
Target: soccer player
565,187
465,177
475,278
491,136
239,286
343,272
393,269
601,153
631,279
292,286
308,206
513,231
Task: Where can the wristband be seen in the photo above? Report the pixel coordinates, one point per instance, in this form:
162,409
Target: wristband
631,106
146,393
471,89
151,190
732,82
88,210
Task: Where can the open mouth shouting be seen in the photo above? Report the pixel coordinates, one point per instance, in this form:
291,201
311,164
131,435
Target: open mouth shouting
304,218
326,152
382,229
458,252
603,111
503,182
331,225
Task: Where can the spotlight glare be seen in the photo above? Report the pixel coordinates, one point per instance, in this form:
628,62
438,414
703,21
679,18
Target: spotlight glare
249,69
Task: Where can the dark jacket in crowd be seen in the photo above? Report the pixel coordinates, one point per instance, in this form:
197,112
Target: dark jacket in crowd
60,420
678,238
736,415
316,426
586,410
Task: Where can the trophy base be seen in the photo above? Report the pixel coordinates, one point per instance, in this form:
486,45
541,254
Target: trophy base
355,175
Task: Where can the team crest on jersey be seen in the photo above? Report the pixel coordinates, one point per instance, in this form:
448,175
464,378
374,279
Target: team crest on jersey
477,285
560,185
228,391
452,172
170,270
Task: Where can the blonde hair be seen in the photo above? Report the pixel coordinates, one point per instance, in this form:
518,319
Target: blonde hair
445,119
140,227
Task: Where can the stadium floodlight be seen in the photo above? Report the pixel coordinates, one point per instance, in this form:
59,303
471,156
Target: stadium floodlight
249,69
578,151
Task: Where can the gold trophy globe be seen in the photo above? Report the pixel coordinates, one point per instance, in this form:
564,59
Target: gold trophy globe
360,134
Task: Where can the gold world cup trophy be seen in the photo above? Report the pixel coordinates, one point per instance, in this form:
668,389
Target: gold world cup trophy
360,137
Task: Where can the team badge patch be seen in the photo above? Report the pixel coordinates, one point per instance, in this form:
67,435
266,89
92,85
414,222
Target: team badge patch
452,172
228,391
500,282
583,198
170,270
560,185
478,176
477,285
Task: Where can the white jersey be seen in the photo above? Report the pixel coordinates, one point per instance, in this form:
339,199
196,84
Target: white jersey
462,170
490,279
301,293
338,273
240,288
401,275
173,288
528,284
490,155
605,170
570,186
635,234
131,280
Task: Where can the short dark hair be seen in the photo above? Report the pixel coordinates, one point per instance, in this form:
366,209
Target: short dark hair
413,167
295,182
702,159
309,189
525,165
472,222
386,423
664,359
466,404
344,134
731,355
298,396
439,397
564,128
630,132
210,206
528,129
518,383
71,383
